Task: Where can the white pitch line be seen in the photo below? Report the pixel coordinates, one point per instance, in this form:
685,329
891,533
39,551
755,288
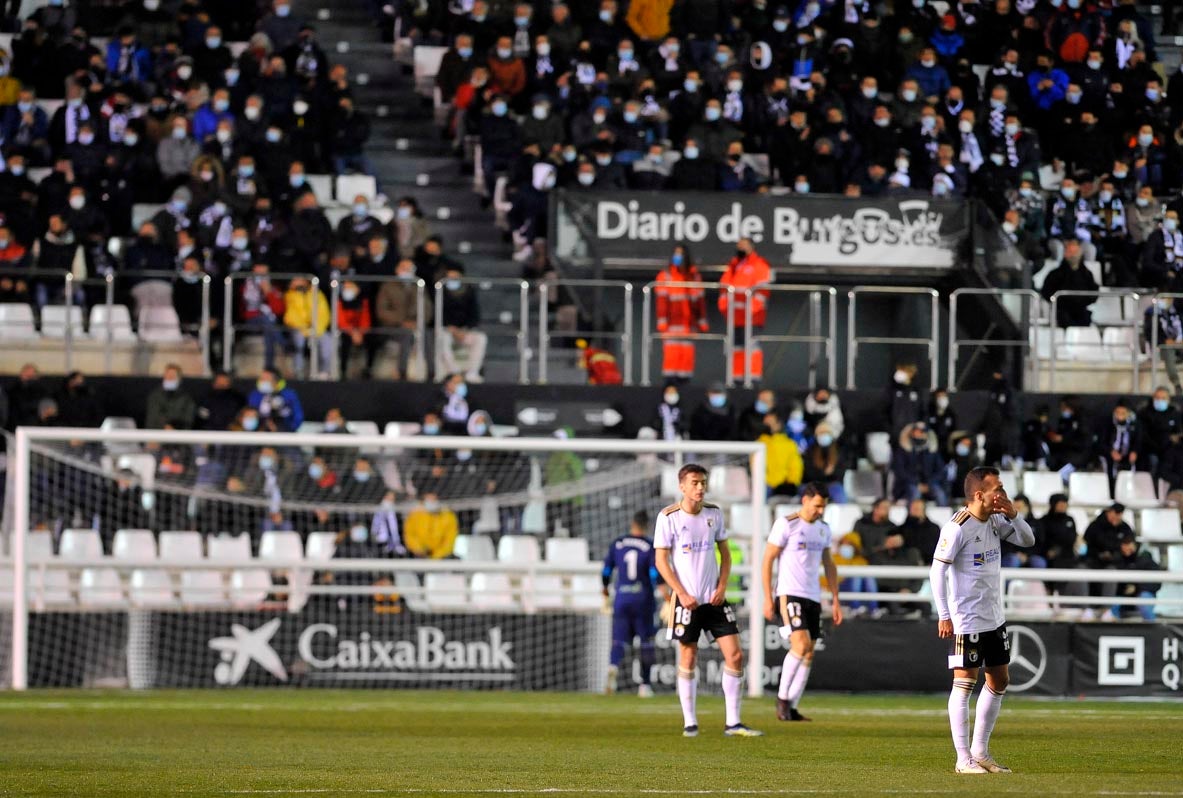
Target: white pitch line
657,791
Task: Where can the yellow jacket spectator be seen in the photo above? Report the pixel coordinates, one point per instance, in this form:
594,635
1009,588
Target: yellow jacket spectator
430,530
298,318
784,466
649,19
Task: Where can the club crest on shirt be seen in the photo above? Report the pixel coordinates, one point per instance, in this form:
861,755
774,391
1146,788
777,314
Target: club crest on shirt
710,523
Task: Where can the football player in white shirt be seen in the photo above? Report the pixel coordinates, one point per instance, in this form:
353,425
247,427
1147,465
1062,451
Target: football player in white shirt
686,537
801,541
969,605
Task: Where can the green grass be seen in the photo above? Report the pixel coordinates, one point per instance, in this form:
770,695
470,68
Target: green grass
449,743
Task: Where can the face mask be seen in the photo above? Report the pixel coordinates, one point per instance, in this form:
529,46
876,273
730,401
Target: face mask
1164,304
962,450
1161,404
1068,193
316,471
630,116
540,112
780,25
178,207
882,121
762,407
671,398
179,133
239,244
825,440
1074,4
266,462
677,259
170,385
734,85
1073,97
250,424
1105,196
1025,192
86,139
348,294
796,426
690,152
1065,414
151,5
184,72
997,158
1142,202
717,399
909,95
24,107
605,160
965,126
296,180
801,188
690,85
431,506
504,53
465,53
221,106
431,429
77,202
452,285
129,141
1145,139
928,122
586,178
1170,224
282,11
521,22
264,386
927,63
252,113
1011,129
213,42
1008,228
4,243
712,114
721,58
1094,64
273,135
479,429
207,177
232,76
569,156
358,534
900,376
499,109
299,107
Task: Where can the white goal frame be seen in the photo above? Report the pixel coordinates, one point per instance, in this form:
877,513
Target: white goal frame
26,437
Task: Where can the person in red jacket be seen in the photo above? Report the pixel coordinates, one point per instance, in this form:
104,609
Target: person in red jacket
681,309
746,270
354,322
600,364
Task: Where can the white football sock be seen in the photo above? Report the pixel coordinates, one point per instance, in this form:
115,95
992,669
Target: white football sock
787,672
797,688
688,695
959,716
989,702
732,690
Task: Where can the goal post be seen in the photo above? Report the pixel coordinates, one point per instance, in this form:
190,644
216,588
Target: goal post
81,488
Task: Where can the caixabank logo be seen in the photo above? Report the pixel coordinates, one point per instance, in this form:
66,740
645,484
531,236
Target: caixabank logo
324,652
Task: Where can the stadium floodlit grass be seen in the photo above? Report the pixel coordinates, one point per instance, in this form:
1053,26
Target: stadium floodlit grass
281,742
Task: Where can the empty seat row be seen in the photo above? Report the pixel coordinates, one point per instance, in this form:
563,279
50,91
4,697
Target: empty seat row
158,323
143,545
498,591
520,549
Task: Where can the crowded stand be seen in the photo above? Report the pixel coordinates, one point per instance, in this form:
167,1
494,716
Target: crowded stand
204,165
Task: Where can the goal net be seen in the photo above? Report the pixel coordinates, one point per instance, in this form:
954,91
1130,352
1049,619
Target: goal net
174,559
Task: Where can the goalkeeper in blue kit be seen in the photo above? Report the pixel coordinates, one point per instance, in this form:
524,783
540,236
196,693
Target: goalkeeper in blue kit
631,557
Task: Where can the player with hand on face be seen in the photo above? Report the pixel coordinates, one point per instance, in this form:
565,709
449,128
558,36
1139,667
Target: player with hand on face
687,536
801,543
969,606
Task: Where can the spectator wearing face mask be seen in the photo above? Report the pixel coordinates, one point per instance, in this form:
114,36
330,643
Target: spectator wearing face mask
746,271
1162,427
355,230
431,529
823,405
963,458
694,171
220,407
918,467
670,421
460,313
410,227
942,420
904,400
1162,255
169,407
714,419
307,316
397,315
1069,442
176,153
850,552
681,308
1118,442
454,414
1168,336
354,322
1071,275
501,142
752,420
784,466
919,532
826,461
277,403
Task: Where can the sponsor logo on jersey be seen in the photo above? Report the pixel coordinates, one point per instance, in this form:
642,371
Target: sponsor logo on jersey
983,557
691,546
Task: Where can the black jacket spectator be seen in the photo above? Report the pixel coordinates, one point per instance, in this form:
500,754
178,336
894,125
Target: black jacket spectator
1103,538
78,404
921,534
1071,311
460,308
709,423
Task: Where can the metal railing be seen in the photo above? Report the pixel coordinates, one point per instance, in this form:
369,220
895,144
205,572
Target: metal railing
1028,317
625,335
1131,345
815,339
1154,343
648,334
361,279
228,324
522,334
853,341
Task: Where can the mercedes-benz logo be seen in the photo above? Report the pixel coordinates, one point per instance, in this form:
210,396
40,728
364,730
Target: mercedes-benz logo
1028,659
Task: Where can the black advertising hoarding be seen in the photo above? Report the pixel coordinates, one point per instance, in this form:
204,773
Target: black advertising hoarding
325,647
792,230
1128,659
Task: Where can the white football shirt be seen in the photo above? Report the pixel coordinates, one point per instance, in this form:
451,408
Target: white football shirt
691,540
973,549
802,545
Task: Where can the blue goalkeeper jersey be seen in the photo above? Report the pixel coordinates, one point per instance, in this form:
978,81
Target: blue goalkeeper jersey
633,560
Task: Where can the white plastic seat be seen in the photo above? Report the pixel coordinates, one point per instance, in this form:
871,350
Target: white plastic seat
249,587
1161,525
1043,338
322,187
1040,485
1135,489
517,548
408,587
939,515
1118,342
477,548
150,588
534,517
585,592
897,514
280,546
426,64
781,510
548,593
134,545
202,588
669,481
38,546
182,546
491,591
1082,517
741,521
1010,483
1089,488
80,544
863,486
16,322
224,547
160,324
879,448
567,551
99,587
363,427
401,429
1033,591
488,519
117,325
320,546
841,517
1082,343
445,591
349,186
54,321
1110,310
731,483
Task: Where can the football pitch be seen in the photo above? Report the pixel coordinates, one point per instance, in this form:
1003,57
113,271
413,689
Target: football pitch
277,742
